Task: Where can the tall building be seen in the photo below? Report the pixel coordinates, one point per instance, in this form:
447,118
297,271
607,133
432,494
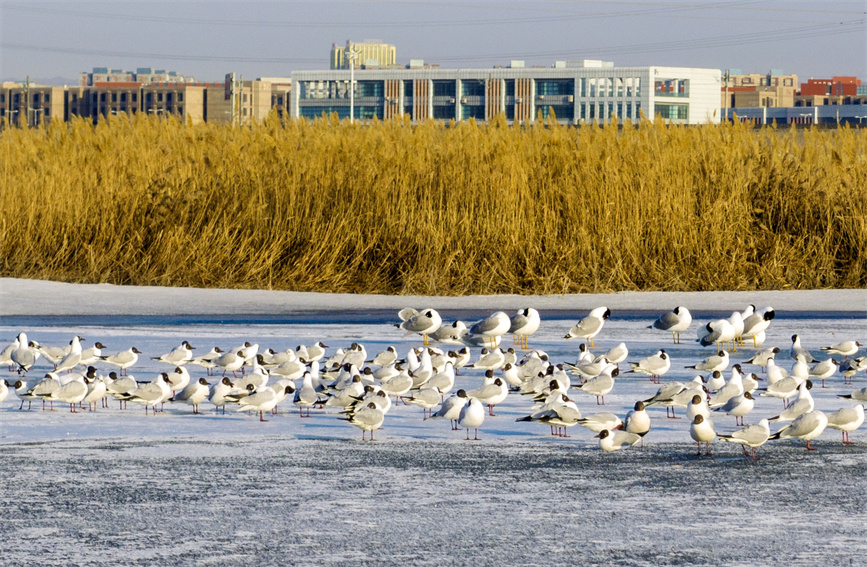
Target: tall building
370,53
575,92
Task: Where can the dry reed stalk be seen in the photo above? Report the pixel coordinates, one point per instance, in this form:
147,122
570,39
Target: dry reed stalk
391,207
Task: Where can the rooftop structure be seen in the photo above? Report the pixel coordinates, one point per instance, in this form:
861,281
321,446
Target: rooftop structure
369,53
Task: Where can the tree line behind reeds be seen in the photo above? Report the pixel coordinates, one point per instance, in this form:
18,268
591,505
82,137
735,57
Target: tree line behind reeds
391,207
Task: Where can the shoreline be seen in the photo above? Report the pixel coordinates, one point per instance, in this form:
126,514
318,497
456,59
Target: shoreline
22,297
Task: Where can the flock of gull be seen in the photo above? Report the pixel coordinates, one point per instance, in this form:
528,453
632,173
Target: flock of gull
361,389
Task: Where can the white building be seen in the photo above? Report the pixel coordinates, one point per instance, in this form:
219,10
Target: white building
576,92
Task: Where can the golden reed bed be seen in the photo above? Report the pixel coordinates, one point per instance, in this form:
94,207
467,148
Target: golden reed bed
388,207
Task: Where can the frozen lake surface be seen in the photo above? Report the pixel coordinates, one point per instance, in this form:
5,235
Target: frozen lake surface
114,487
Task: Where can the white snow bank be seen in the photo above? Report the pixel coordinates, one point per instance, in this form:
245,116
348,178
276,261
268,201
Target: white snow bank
35,297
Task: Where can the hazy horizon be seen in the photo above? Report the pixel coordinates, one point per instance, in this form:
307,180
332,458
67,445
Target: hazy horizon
58,40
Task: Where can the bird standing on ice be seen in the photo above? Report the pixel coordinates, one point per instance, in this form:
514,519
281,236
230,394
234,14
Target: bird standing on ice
589,326
676,321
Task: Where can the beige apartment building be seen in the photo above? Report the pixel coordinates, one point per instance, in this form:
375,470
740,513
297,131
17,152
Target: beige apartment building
770,90
31,104
190,102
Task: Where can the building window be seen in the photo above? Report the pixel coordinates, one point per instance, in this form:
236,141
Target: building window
444,112
673,111
444,88
671,87
473,88
134,97
472,111
113,97
180,109
407,89
159,97
123,97
555,87
180,97
563,112
369,89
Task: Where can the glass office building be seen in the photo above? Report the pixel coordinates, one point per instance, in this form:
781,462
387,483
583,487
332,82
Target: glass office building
573,92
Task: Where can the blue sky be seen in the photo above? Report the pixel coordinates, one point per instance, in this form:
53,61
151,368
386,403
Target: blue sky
208,39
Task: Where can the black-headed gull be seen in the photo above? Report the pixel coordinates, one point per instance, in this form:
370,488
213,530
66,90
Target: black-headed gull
588,327
367,418
523,324
762,357
451,408
718,361
857,395
600,385
599,421
675,321
193,393
71,393
219,391
178,356
637,421
847,420
385,357
92,354
471,416
422,322
151,394
262,400
738,406
802,404
666,396
490,329
450,333
490,394
806,427
124,359
846,348
701,430
756,324
823,370
717,333
797,349
23,357
73,357
614,440
752,436
426,399
654,366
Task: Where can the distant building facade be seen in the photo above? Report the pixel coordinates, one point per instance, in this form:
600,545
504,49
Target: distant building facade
194,102
31,104
773,89
575,92
140,75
